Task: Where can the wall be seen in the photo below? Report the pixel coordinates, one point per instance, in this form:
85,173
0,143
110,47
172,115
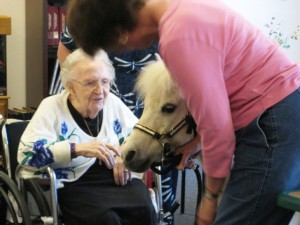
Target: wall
15,51
260,13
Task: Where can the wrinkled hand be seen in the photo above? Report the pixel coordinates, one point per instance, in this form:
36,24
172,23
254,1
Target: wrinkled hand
206,211
121,174
104,152
189,151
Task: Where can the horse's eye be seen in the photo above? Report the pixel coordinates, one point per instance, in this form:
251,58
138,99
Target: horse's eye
168,108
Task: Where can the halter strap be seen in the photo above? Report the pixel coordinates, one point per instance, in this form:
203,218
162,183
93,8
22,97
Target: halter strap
169,159
147,130
187,120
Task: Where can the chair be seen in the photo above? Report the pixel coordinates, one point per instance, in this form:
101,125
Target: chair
11,132
9,192
289,200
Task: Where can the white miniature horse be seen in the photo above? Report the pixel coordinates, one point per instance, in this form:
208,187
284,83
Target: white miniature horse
165,123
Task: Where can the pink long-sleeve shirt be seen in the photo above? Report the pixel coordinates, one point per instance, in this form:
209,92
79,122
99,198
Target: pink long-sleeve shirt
227,70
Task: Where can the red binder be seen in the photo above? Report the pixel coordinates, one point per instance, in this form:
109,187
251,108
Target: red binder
53,25
50,24
62,18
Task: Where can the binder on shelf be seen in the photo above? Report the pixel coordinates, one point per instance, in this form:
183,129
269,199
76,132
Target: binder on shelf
5,25
53,25
56,26
62,10
50,24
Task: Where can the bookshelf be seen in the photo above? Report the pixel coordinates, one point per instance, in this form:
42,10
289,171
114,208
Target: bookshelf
40,58
5,25
5,29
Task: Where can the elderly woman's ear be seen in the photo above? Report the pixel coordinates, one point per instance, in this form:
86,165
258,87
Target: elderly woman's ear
70,87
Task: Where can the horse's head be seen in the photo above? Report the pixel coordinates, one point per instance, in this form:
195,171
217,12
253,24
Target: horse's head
164,123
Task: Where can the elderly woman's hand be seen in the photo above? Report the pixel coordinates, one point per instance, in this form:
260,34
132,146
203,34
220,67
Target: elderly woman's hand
121,174
105,152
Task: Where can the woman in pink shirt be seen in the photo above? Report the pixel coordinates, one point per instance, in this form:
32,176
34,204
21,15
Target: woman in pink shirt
241,89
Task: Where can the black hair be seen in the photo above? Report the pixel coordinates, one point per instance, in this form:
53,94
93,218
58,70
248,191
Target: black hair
96,24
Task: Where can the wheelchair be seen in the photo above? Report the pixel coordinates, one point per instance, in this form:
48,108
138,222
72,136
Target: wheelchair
17,193
29,202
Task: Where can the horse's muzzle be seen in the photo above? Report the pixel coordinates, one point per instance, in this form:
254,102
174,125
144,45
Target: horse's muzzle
135,165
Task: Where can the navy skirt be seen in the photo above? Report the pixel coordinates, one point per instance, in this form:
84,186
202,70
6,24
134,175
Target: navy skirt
95,199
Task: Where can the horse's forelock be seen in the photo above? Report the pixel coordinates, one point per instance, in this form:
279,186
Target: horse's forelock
154,79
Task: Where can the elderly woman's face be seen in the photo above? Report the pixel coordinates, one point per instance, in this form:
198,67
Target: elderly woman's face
90,86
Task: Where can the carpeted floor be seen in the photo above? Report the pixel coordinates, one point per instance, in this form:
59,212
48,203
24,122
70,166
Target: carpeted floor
186,216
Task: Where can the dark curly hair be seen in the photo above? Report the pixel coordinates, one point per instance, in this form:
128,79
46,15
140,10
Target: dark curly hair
97,24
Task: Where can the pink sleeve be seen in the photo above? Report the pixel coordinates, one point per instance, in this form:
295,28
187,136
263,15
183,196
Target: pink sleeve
198,70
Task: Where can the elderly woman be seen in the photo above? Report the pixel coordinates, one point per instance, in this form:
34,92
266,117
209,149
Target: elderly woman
78,133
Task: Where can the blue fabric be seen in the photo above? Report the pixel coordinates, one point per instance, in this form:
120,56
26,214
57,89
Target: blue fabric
266,162
169,186
127,66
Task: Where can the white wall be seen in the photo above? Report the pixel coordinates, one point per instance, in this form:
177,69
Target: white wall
15,52
260,12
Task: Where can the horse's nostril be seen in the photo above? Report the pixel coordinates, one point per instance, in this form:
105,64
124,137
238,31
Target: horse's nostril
130,155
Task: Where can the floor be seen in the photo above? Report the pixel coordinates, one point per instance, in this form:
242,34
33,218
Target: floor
187,216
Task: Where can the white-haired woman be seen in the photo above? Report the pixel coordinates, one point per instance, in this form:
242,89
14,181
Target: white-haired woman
78,132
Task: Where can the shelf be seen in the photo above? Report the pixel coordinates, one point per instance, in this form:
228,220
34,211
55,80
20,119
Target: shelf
5,25
40,57
4,106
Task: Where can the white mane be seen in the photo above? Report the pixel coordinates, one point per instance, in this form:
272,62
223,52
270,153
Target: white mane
154,79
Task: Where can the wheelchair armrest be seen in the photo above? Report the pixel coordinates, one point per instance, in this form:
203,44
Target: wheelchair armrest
53,190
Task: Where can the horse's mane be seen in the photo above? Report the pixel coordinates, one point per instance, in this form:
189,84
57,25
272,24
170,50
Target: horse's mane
155,79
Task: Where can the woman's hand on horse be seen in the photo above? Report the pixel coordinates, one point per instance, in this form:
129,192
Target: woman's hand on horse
189,151
104,152
121,174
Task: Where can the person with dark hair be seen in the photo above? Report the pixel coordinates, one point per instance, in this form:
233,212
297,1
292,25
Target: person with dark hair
127,67
240,87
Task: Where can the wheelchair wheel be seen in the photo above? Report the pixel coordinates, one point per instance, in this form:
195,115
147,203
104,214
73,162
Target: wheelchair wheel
3,207
37,193
7,185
